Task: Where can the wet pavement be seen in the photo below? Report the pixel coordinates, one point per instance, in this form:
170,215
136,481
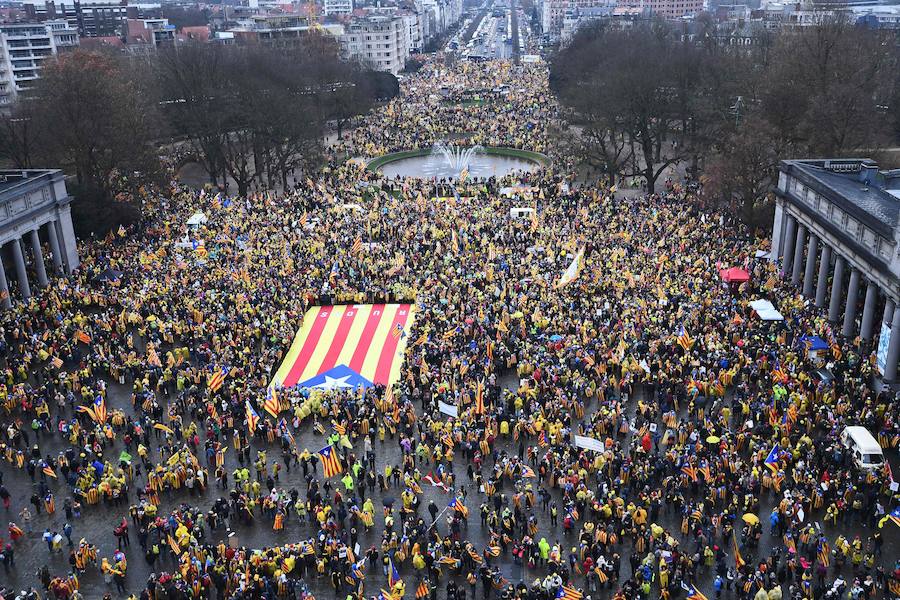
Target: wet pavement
97,522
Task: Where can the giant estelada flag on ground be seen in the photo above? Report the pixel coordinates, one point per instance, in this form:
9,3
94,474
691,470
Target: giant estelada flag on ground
347,346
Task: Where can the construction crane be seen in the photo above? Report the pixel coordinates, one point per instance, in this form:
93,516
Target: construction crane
311,14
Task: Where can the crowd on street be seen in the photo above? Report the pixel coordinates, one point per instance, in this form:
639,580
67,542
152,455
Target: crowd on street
584,410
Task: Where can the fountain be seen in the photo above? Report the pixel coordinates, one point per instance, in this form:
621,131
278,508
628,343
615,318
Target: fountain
447,161
458,159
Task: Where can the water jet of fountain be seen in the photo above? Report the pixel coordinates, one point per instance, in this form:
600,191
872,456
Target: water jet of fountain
457,158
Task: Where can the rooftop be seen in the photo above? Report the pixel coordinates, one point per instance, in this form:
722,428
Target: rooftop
10,179
856,184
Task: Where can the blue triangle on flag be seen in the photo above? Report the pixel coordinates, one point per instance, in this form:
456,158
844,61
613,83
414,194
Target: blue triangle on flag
336,378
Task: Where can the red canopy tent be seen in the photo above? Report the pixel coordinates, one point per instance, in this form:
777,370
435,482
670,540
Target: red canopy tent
734,275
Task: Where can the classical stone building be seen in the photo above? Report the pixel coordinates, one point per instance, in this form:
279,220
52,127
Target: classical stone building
836,234
34,208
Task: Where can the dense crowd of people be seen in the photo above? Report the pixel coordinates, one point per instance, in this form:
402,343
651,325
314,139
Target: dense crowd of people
624,426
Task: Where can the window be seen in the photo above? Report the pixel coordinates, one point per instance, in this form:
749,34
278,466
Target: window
868,237
838,216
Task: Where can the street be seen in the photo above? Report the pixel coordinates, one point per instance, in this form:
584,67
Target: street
97,522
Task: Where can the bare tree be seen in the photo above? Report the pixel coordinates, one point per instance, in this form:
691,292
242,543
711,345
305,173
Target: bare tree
258,112
741,174
18,136
594,110
93,119
193,99
827,84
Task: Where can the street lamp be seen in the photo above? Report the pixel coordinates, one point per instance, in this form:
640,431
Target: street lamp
736,110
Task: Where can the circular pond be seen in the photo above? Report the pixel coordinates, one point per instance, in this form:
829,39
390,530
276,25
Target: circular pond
449,162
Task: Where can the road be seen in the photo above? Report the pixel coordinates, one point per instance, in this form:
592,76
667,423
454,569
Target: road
97,522
496,32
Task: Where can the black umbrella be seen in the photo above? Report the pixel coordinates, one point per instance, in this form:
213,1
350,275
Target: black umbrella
110,275
388,501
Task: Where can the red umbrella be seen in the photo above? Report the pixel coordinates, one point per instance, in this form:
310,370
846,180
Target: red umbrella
734,275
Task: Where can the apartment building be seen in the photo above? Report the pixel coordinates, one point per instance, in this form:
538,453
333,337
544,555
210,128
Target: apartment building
380,40
148,34
338,7
25,47
668,9
91,18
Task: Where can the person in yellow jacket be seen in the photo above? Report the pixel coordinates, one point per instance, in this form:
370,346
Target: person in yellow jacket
663,574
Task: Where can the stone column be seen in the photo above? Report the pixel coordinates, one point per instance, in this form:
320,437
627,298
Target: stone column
798,254
810,265
62,253
777,231
21,273
788,250
850,309
5,300
868,317
888,312
837,284
824,267
67,240
893,353
54,247
38,258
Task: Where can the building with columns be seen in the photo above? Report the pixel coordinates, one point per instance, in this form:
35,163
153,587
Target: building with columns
837,236
34,210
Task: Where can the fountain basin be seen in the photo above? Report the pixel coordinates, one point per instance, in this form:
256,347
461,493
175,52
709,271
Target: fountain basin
486,162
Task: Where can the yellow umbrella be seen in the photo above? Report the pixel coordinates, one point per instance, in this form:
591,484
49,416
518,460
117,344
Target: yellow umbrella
713,439
750,519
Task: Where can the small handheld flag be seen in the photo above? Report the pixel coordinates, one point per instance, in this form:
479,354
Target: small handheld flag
568,593
215,380
457,505
331,464
738,559
393,574
271,404
684,340
479,398
252,417
772,459
695,594
100,410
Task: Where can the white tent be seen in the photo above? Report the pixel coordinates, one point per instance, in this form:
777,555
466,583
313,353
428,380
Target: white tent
766,311
197,219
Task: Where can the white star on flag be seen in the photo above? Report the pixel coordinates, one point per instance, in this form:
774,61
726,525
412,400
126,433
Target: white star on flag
332,383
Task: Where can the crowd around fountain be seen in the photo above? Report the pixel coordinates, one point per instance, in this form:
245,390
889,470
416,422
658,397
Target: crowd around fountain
583,410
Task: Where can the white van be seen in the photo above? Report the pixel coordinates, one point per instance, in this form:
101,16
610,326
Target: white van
521,212
863,447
